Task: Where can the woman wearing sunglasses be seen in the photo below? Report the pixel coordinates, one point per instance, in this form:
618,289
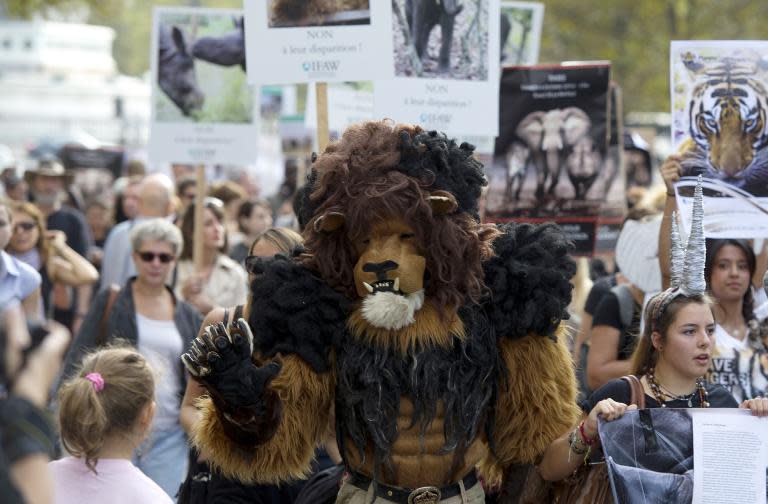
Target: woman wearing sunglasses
147,314
47,251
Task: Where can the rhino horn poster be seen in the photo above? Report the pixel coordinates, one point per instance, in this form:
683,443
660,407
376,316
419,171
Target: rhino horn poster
720,129
551,158
295,41
445,74
203,111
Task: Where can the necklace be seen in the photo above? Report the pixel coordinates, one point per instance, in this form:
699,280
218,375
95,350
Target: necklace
659,392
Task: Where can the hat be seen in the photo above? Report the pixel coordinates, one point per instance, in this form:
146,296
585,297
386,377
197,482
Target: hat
49,168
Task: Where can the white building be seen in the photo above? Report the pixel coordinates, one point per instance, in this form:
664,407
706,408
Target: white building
60,79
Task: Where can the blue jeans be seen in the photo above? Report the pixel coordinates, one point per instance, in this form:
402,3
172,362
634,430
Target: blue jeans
163,458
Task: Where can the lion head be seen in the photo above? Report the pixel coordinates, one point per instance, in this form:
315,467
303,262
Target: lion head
392,222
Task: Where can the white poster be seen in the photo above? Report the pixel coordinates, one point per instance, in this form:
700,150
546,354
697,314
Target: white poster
203,110
719,126
446,66
520,33
348,103
293,41
730,456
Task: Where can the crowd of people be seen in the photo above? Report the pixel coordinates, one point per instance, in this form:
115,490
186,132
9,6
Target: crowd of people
101,299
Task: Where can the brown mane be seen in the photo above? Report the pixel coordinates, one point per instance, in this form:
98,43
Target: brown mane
357,177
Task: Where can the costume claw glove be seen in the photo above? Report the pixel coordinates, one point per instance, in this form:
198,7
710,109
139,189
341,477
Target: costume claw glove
220,360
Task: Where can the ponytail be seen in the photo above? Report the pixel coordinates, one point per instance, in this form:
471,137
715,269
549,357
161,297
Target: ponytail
105,398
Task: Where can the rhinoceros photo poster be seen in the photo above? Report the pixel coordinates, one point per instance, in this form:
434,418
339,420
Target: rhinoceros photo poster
693,455
551,157
445,74
203,110
520,32
295,41
719,126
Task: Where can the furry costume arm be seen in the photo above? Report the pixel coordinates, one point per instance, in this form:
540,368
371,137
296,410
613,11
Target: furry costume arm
307,402
260,425
529,278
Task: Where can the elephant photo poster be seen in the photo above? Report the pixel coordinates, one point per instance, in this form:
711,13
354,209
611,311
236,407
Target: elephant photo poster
551,158
203,110
295,41
446,71
720,128
520,32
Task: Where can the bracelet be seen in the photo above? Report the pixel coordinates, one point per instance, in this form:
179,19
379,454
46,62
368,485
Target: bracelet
587,440
576,445
671,194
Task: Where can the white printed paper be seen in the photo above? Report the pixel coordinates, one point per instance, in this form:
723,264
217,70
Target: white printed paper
317,41
730,457
203,110
458,95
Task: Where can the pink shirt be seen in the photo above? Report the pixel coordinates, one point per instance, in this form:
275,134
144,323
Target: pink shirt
118,482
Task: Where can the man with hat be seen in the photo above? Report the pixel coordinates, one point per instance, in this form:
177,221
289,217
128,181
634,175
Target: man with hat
48,183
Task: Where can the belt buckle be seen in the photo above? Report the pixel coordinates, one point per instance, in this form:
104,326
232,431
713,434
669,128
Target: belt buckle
424,495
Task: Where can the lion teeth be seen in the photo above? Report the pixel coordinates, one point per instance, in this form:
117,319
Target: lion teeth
396,287
368,286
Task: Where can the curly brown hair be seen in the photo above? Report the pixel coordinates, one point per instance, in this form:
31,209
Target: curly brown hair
369,175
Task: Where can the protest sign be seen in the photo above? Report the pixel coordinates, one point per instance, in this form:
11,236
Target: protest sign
203,111
520,33
689,455
551,157
446,71
719,126
348,103
291,42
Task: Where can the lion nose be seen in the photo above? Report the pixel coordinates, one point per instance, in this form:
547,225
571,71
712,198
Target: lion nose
380,269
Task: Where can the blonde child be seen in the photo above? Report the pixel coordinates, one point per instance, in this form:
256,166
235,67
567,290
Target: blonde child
105,412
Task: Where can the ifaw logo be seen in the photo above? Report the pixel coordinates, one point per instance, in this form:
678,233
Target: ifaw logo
432,119
320,66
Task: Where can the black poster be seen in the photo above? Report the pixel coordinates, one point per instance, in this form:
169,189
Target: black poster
551,159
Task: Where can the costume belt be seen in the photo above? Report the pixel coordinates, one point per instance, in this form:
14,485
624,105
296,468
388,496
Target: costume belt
422,495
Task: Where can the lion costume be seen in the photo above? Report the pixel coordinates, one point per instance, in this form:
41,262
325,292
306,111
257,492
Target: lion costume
433,337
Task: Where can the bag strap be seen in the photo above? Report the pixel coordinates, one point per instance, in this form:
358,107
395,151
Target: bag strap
637,393
101,337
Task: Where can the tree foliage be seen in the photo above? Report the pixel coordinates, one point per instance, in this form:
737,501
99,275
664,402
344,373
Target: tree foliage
635,36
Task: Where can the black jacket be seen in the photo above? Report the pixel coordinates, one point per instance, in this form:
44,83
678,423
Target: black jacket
121,324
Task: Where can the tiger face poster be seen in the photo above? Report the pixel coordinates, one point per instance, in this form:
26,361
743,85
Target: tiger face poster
552,159
719,127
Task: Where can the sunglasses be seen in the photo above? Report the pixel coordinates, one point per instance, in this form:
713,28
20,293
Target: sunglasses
150,256
24,226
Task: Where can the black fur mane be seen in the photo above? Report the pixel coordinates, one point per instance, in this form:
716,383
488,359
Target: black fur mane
372,380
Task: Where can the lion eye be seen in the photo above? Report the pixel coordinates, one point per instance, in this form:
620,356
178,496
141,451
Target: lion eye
366,241
405,236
